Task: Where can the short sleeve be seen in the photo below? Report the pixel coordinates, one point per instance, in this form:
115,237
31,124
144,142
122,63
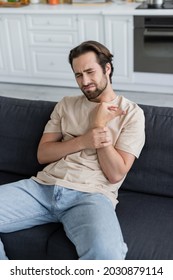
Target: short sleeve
54,124
132,136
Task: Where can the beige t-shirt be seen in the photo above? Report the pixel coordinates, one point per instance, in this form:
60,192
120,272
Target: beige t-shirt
81,171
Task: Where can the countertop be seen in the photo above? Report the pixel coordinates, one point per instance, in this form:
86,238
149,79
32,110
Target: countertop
119,8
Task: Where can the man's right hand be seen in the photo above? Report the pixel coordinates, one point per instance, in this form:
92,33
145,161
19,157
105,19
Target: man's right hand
96,138
104,113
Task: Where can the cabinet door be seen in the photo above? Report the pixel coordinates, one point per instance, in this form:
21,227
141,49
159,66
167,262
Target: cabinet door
51,37
119,39
3,50
3,66
52,22
90,28
13,53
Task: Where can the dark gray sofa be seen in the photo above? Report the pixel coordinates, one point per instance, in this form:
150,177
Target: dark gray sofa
145,210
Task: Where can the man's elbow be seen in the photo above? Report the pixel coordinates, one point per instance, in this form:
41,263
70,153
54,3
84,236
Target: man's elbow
116,178
40,158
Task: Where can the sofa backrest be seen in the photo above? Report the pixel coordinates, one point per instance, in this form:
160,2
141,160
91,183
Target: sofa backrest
21,126
153,171
22,123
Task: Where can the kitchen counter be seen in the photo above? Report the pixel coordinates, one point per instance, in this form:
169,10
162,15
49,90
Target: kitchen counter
35,43
119,8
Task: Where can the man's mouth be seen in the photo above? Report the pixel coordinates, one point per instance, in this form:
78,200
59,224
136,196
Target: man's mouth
88,87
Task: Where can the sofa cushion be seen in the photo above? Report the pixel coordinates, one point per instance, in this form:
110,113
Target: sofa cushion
8,177
146,223
153,171
21,126
45,242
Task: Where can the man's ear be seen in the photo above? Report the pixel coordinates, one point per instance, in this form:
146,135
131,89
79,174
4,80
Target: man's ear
108,68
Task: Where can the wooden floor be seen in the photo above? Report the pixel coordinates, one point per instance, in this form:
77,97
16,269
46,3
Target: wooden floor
57,93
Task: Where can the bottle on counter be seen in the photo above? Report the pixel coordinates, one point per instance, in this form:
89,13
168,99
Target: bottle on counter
25,2
53,2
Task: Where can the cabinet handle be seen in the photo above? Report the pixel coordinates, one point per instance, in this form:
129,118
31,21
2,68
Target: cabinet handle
158,33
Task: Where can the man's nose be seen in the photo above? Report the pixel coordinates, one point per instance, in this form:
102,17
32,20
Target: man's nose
85,80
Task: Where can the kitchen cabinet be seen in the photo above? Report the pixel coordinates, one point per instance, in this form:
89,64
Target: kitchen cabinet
91,28
50,39
14,59
3,52
35,42
119,39
37,45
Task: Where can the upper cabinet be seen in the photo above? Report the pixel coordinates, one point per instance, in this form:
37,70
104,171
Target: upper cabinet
14,57
119,39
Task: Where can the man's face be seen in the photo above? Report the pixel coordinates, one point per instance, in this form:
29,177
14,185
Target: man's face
89,76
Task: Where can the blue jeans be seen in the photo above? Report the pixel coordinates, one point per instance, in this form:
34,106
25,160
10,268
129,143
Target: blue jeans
89,219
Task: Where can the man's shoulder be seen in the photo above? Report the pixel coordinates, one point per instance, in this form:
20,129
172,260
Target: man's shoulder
71,100
75,98
127,104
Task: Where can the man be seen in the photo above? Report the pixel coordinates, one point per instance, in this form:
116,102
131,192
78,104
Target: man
89,145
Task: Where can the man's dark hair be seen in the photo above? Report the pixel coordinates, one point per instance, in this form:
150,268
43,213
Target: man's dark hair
102,53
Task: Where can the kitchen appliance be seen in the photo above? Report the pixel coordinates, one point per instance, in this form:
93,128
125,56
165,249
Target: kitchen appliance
153,44
156,4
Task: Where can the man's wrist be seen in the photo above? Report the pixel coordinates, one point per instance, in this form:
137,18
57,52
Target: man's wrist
99,124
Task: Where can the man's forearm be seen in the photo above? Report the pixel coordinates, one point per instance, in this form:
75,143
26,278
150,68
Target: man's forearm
112,164
53,151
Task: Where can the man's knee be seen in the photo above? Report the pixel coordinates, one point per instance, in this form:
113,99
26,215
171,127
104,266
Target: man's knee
99,249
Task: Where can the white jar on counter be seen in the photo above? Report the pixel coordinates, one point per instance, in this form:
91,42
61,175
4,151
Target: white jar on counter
34,1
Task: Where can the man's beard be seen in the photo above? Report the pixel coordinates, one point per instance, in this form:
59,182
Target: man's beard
92,95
